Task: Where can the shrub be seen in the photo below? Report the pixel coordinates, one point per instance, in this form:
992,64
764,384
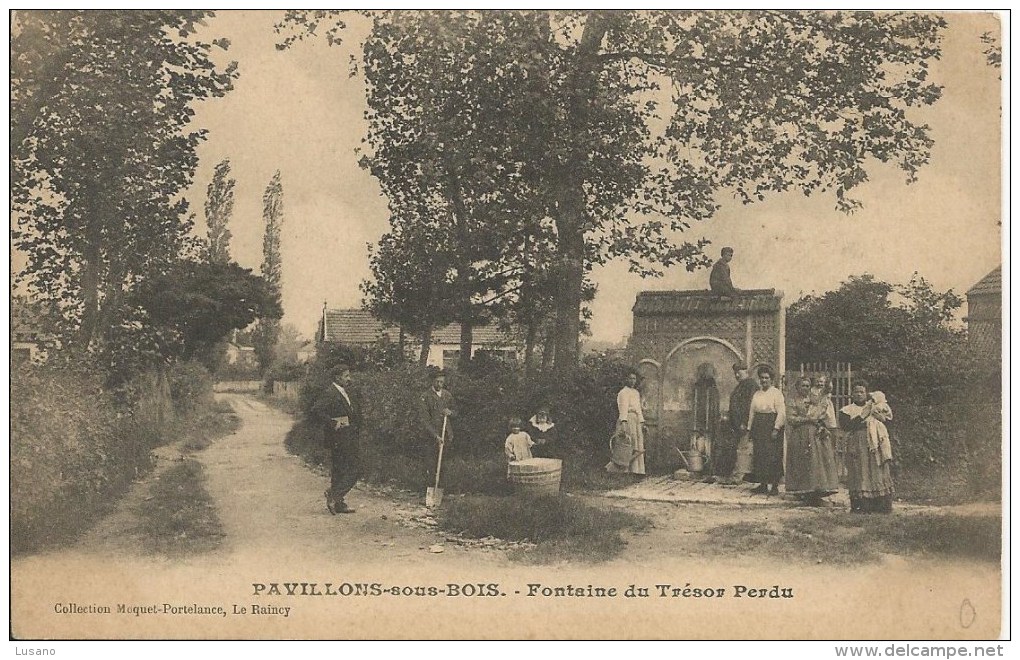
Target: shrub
71,448
286,372
75,445
191,387
583,406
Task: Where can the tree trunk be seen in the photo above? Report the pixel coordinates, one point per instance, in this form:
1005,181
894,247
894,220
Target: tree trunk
529,347
570,270
90,284
466,341
548,350
426,344
571,218
465,273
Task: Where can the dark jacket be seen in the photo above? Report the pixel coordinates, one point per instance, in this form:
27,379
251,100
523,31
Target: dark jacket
332,404
740,403
430,414
546,442
719,279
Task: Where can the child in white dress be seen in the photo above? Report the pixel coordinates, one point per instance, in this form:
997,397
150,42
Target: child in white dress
518,443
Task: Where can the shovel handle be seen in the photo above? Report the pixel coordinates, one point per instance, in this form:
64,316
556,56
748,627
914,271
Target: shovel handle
442,441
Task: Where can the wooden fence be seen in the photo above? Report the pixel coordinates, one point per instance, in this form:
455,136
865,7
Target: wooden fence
286,389
840,377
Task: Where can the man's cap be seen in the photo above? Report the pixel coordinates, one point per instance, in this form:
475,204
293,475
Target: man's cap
739,366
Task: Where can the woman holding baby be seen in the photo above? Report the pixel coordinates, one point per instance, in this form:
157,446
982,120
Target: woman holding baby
811,471
868,450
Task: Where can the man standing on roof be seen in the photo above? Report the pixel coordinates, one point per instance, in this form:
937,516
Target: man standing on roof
719,281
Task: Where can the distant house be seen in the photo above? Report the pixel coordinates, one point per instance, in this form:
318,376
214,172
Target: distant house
984,316
306,353
29,342
242,356
359,327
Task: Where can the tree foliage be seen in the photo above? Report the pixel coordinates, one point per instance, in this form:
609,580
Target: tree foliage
268,329
219,206
411,284
101,150
902,337
621,129
196,305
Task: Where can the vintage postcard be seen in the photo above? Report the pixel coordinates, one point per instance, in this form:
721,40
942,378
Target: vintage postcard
516,324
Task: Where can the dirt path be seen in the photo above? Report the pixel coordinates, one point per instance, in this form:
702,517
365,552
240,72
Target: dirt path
272,504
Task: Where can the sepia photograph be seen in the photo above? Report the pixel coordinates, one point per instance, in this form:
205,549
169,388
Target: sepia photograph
514,324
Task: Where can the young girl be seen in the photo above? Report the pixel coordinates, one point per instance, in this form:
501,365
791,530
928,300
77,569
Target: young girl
543,431
518,443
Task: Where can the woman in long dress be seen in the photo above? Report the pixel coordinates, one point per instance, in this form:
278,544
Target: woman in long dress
630,421
868,464
765,425
810,459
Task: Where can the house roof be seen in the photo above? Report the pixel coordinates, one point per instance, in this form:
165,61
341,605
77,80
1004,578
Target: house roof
654,303
989,284
356,326
359,326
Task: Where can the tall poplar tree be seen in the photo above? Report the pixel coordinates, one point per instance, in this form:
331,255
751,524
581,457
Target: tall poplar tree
219,206
268,329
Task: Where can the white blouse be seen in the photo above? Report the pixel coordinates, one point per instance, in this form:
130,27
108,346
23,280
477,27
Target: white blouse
629,401
768,401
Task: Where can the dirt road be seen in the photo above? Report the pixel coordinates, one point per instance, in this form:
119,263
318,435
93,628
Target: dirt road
272,504
278,532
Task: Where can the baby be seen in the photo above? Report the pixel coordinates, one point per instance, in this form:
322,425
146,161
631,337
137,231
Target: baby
821,402
878,434
518,443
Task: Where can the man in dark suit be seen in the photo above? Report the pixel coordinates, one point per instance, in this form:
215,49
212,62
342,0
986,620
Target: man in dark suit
739,449
339,414
435,404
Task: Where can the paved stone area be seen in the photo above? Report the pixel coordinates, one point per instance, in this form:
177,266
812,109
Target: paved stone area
682,487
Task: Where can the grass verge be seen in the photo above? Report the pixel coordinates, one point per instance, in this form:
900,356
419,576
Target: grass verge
179,519
941,485
219,421
845,538
561,527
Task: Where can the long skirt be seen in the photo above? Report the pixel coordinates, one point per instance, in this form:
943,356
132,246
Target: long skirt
870,484
768,453
810,461
637,438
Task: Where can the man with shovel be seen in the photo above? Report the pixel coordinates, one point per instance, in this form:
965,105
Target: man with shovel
435,411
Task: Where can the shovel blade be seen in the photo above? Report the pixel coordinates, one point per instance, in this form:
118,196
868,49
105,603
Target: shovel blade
433,497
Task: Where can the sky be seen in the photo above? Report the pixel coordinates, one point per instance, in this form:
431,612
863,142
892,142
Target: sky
301,112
